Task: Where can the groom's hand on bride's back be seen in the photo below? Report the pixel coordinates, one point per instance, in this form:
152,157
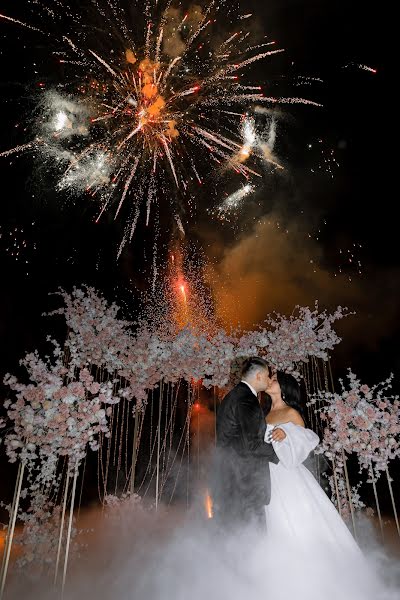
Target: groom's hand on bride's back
278,435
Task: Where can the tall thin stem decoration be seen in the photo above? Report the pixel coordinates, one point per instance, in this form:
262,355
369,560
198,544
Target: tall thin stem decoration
68,541
389,480
378,508
10,535
159,444
134,449
61,527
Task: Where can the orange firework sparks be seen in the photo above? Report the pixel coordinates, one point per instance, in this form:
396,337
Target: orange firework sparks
208,504
189,300
183,290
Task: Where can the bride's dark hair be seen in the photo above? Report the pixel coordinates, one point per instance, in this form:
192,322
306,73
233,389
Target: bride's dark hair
291,394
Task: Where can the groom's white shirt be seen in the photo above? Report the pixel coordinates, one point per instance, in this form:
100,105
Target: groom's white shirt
251,387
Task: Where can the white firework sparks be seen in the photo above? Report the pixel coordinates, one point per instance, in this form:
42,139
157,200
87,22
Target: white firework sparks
233,201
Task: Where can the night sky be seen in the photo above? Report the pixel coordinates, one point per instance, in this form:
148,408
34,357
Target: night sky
292,242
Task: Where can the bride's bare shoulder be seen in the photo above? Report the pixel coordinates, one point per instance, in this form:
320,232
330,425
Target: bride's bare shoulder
295,417
286,415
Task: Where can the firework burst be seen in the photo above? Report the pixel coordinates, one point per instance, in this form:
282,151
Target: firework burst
153,100
232,202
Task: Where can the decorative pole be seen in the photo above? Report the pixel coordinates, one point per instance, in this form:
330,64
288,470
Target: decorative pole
159,444
10,536
389,480
378,508
61,527
10,519
134,450
349,494
336,487
215,416
71,516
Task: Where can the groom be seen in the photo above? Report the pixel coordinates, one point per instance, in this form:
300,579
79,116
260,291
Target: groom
242,480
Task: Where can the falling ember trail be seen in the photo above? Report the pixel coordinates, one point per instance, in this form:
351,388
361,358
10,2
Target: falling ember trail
362,67
17,149
208,503
183,291
126,187
17,22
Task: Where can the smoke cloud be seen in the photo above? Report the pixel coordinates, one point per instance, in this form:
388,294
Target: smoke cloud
136,553
275,269
173,40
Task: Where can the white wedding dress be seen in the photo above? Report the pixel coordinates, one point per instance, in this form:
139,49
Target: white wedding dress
307,533
299,509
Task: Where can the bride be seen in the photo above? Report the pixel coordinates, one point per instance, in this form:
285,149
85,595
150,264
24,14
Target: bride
303,525
299,507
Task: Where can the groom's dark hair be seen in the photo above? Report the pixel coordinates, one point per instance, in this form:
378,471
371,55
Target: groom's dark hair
253,364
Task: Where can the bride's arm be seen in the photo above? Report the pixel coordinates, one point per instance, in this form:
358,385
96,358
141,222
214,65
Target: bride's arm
297,445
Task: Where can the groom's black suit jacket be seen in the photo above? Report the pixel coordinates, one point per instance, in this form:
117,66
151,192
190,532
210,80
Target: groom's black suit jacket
242,479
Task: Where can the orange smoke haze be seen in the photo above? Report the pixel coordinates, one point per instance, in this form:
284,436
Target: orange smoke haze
270,270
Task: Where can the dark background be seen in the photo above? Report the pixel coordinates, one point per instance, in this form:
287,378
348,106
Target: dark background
49,241
59,244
